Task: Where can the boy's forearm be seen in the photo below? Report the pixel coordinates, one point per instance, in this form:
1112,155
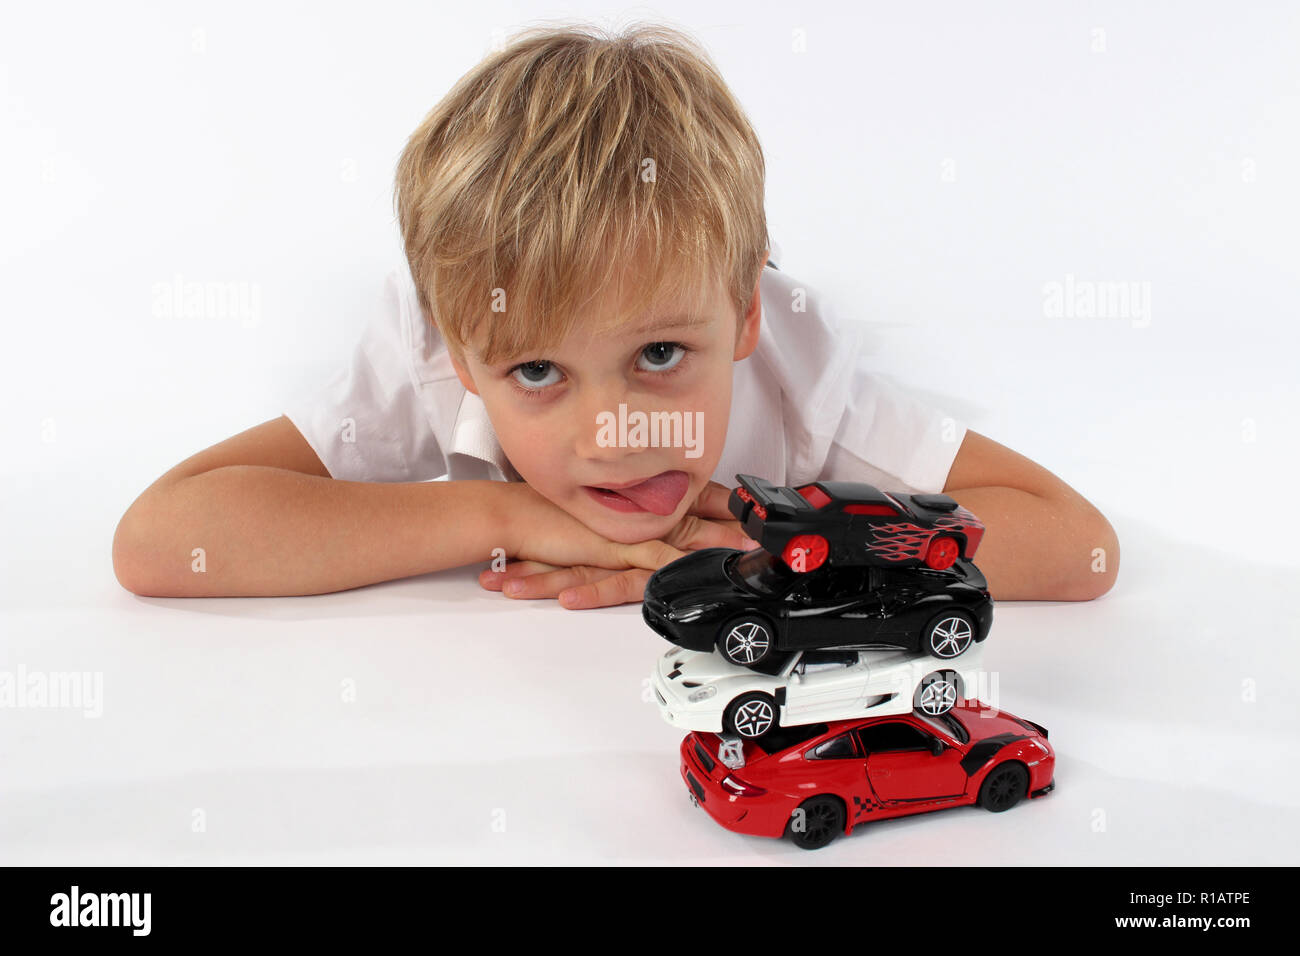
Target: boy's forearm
269,531
1041,549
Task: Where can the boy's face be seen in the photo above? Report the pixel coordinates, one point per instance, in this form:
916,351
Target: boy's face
557,415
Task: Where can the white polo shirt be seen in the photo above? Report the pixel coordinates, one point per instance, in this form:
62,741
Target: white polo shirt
804,405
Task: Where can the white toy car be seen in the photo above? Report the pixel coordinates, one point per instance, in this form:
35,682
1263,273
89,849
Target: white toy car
702,691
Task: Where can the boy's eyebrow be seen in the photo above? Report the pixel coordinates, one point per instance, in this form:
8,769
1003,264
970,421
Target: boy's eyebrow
671,321
663,323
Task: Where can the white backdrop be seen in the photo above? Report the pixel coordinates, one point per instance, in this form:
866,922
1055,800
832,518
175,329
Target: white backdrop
938,171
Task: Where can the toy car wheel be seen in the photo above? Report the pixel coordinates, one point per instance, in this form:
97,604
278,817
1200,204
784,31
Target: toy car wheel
751,715
816,822
942,553
948,634
1004,787
805,552
937,693
746,641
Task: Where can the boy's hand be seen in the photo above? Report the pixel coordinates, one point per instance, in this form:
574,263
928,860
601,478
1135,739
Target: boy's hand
612,573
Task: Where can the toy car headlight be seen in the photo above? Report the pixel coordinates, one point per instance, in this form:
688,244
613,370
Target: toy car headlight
704,693
686,615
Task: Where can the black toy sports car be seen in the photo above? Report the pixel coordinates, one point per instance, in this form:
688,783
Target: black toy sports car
850,522
750,605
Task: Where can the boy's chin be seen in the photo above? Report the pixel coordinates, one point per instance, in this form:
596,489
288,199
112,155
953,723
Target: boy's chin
626,532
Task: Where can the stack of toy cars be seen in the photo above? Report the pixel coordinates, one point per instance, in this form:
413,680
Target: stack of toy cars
852,636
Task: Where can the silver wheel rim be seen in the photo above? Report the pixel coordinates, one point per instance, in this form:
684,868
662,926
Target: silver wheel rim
938,697
754,718
746,643
951,636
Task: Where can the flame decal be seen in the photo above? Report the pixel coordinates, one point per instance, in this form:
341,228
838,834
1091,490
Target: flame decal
899,541
904,541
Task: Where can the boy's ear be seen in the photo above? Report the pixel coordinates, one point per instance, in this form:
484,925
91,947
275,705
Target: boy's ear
747,334
462,372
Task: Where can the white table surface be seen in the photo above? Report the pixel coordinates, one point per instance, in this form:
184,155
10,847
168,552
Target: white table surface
489,731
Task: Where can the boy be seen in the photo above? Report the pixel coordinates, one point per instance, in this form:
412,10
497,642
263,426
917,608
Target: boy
590,339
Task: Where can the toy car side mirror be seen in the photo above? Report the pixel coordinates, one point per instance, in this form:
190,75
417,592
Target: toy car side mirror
937,747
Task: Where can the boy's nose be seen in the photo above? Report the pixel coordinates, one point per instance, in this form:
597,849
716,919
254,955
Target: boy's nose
601,432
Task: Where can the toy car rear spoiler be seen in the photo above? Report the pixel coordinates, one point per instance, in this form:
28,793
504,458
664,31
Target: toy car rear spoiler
759,496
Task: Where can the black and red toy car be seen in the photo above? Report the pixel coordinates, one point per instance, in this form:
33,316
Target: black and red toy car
847,523
815,781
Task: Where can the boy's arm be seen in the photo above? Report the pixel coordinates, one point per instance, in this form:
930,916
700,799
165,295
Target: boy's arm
1044,541
258,515
270,521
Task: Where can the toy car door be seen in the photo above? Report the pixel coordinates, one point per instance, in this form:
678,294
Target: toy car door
829,684
828,608
874,531
866,619
902,766
893,614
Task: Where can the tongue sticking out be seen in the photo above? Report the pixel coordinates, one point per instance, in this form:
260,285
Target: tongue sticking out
659,495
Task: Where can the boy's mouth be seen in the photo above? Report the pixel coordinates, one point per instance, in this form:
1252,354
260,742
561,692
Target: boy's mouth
659,494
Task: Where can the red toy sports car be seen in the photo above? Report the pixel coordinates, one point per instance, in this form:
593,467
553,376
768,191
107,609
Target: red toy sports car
815,781
852,522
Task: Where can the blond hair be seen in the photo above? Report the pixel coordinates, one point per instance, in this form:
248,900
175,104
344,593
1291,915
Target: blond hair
570,158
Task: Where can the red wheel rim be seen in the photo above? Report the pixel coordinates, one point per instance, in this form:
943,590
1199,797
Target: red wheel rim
942,553
805,552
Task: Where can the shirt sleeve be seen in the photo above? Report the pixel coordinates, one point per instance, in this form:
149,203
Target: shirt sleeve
366,422
891,438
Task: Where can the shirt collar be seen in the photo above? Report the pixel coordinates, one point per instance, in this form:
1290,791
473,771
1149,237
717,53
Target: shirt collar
473,436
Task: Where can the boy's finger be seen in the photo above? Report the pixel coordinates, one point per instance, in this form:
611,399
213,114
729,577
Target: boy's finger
623,587
493,580
712,502
650,555
726,534
549,584
729,538
694,533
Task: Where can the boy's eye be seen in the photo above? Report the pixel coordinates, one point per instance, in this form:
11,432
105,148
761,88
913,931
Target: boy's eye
537,376
661,357
534,374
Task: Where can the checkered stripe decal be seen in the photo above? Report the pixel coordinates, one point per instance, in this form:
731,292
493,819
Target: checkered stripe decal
862,806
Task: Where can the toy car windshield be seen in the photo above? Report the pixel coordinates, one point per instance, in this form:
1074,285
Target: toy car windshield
763,572
854,523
